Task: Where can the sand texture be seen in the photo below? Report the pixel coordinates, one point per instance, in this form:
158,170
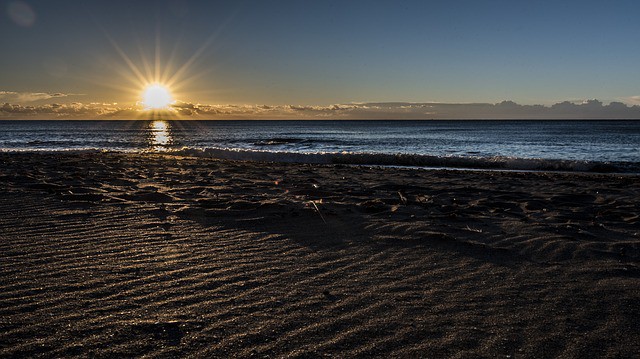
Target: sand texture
119,255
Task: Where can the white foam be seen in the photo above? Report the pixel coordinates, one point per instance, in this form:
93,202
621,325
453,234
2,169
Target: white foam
507,163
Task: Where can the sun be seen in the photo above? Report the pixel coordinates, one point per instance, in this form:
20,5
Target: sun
156,97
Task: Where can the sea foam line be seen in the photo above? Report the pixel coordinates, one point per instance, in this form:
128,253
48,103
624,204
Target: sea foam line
373,159
414,160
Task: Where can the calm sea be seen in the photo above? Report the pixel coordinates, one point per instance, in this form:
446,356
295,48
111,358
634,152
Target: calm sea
561,145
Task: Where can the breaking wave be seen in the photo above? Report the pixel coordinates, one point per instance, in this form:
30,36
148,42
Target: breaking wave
414,160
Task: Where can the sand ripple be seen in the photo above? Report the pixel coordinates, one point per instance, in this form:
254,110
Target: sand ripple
112,255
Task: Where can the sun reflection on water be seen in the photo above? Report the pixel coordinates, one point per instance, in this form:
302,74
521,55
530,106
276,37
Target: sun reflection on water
160,135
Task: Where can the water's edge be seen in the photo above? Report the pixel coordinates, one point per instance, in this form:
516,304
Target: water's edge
379,159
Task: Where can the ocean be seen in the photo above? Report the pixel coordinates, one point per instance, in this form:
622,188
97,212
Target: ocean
598,146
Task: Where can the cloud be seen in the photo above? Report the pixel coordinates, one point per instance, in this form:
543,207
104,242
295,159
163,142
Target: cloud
635,100
22,97
590,109
75,110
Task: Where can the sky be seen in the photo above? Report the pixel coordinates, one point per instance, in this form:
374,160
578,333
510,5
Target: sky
321,59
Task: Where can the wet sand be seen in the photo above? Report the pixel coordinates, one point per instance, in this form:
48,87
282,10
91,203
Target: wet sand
116,255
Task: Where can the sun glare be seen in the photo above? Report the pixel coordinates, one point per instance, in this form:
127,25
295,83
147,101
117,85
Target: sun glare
156,97
157,83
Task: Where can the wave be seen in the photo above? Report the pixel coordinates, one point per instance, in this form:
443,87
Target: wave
278,141
415,160
374,159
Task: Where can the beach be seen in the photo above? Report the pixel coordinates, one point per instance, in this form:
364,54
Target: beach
117,255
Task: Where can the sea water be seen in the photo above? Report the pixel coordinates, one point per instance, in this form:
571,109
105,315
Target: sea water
603,145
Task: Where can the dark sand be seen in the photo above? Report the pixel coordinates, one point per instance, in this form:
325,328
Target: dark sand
115,255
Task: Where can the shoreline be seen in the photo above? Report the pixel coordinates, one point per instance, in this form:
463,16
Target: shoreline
381,160
120,254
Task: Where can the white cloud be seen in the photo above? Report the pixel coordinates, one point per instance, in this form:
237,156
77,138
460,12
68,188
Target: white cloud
634,100
22,97
591,109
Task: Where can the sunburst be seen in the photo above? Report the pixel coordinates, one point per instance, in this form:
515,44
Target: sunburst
157,97
156,85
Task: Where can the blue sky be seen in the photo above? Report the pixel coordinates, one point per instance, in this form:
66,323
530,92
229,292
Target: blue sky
325,52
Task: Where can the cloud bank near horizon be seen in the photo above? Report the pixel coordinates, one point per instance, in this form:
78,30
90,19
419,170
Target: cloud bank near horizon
591,109
22,97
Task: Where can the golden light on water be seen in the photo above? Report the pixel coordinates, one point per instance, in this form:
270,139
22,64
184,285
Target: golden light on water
160,134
